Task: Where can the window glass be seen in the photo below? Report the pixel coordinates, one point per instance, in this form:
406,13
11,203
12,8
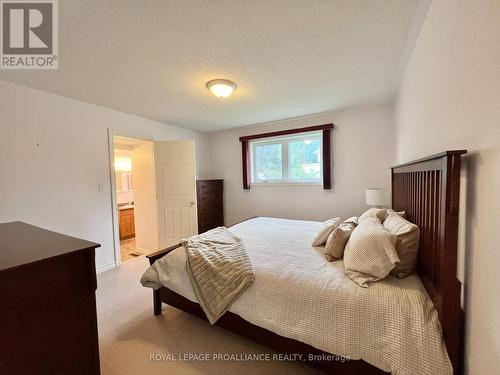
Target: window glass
268,162
304,159
292,159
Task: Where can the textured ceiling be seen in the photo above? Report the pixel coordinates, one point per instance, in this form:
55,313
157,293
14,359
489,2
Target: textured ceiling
289,58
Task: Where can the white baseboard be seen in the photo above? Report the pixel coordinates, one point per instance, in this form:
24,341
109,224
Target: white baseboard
105,267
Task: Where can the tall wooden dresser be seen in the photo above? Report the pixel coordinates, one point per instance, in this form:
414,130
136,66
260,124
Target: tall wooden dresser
48,311
210,210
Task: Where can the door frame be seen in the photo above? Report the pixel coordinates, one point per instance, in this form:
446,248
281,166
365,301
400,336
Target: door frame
114,201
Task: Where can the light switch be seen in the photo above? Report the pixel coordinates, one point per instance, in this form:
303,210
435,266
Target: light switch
100,187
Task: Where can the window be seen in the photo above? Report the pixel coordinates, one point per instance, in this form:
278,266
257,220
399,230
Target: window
293,158
301,155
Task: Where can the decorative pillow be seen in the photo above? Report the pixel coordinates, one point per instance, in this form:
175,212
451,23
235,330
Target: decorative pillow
378,213
400,213
370,254
407,236
353,220
326,228
335,244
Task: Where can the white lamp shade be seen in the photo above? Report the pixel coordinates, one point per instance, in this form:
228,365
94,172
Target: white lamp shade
375,197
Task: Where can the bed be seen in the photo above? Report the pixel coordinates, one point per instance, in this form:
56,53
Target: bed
392,326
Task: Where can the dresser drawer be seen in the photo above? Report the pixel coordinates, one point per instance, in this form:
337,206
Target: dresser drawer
210,223
209,200
209,186
215,221
210,210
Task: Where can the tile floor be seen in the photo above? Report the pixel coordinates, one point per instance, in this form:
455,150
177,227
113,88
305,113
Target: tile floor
127,249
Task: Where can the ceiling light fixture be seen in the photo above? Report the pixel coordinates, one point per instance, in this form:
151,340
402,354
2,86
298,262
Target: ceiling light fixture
123,164
221,88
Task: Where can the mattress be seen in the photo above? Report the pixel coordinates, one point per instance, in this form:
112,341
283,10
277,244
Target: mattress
298,294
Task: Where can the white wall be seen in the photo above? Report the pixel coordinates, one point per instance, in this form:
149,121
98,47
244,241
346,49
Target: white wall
123,197
450,99
363,151
53,155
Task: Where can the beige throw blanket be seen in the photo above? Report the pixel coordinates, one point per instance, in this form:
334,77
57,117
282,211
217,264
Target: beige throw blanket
219,270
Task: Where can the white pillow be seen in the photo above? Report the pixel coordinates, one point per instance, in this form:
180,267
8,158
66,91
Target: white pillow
335,244
353,219
370,254
324,231
377,213
400,213
407,237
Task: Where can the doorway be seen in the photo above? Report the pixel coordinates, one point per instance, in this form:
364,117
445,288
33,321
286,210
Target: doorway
153,190
134,181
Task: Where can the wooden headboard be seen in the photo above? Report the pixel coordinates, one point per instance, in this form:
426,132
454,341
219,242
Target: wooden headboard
428,191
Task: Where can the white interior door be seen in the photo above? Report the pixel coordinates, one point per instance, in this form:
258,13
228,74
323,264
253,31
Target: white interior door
175,191
145,212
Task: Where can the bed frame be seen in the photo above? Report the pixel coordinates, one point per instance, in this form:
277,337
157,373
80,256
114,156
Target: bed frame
428,191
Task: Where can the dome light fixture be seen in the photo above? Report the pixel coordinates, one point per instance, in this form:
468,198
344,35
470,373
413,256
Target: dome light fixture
221,88
123,164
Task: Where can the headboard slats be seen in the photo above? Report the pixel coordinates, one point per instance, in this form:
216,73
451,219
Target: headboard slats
428,191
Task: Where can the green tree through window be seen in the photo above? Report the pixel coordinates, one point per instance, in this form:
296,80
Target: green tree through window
305,159
287,159
268,162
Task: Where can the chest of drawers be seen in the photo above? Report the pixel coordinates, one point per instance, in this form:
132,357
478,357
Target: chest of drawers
48,310
210,204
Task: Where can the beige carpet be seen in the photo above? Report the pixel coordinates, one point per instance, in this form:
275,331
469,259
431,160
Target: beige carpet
129,333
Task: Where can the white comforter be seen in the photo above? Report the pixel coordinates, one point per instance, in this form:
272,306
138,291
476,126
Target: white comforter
298,294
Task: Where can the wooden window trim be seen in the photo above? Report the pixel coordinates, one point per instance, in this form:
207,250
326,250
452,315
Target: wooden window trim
327,140
245,152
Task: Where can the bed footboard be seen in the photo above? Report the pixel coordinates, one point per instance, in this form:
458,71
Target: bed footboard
153,257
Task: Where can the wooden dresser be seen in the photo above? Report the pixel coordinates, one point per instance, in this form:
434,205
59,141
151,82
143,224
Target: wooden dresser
210,211
48,311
